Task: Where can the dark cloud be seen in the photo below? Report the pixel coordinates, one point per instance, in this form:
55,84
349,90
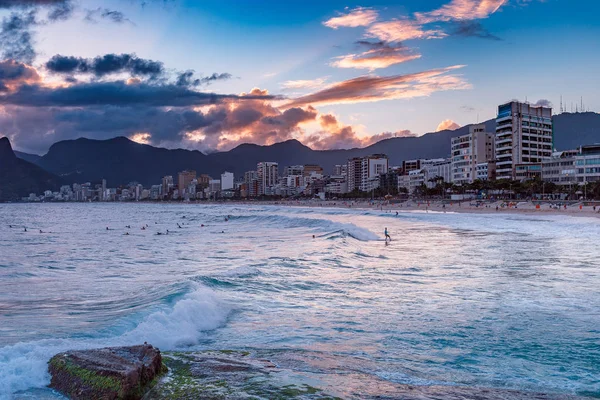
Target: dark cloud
30,3
115,16
187,78
14,74
62,11
472,29
115,93
16,40
107,64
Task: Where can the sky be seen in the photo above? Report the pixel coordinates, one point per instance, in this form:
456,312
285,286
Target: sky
210,75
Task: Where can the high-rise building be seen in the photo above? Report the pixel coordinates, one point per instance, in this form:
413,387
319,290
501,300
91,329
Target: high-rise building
363,172
523,136
267,174
469,150
184,179
167,185
227,181
294,170
340,170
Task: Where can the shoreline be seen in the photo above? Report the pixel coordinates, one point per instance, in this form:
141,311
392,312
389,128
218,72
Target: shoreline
439,206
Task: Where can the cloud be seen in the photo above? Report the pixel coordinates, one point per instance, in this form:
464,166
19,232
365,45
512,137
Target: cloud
14,74
543,103
359,16
62,11
335,135
116,93
305,84
447,124
399,30
380,55
115,16
375,88
29,3
16,39
106,64
187,78
473,29
461,10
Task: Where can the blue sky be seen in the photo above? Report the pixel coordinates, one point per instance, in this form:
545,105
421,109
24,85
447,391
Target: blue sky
498,50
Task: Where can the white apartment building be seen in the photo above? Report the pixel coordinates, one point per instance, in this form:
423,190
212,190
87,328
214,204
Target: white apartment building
267,174
227,181
442,169
363,172
560,168
523,136
469,150
588,164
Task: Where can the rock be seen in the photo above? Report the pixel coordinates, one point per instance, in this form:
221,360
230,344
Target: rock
106,374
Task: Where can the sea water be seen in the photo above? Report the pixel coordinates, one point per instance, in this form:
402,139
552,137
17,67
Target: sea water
493,300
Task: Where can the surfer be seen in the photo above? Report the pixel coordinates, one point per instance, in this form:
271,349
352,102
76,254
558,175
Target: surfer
387,236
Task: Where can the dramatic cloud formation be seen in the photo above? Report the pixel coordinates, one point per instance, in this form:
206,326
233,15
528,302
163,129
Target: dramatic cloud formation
461,10
14,74
62,11
104,65
305,84
375,88
357,17
335,135
379,55
399,30
447,124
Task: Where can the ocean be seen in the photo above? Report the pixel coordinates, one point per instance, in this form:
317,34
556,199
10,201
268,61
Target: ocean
489,300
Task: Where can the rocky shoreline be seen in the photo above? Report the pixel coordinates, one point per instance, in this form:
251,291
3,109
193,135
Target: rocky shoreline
142,372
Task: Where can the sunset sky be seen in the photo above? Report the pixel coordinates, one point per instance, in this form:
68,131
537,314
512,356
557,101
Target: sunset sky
211,74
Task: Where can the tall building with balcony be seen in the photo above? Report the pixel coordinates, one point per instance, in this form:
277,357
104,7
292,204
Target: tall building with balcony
469,150
267,174
184,179
523,136
363,172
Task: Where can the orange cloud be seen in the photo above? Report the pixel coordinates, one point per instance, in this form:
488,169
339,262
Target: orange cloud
375,58
359,16
14,74
461,10
142,138
399,30
375,88
335,135
447,124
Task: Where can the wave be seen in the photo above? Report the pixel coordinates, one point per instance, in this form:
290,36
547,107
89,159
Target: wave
326,225
24,365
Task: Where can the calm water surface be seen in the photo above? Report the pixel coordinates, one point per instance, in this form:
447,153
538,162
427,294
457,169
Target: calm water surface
508,301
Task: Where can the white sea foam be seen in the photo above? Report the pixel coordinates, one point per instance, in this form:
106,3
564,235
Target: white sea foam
24,365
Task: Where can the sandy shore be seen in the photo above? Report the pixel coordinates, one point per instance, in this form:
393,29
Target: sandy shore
500,207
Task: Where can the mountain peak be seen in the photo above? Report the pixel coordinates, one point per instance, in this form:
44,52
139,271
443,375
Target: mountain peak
6,151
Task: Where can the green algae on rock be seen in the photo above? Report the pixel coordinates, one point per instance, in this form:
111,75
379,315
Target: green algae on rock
106,374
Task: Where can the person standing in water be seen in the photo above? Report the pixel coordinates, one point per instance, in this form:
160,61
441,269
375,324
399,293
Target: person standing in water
387,236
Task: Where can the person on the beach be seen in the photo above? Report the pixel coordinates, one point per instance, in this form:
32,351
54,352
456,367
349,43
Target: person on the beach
387,236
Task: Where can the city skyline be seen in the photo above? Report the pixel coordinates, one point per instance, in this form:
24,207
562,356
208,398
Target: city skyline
332,75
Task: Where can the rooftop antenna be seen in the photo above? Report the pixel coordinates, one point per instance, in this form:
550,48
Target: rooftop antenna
561,107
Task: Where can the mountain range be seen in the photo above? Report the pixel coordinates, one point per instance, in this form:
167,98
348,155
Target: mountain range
18,177
120,160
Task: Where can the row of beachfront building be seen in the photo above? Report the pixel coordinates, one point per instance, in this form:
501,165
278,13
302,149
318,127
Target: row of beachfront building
520,148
